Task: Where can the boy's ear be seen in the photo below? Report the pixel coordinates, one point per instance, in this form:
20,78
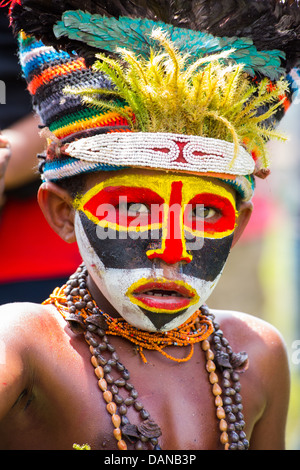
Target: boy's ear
244,216
56,205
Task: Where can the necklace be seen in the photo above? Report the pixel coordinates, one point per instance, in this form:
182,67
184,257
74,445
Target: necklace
75,304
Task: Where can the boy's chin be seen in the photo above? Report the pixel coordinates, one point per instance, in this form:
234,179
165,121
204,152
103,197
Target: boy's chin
154,321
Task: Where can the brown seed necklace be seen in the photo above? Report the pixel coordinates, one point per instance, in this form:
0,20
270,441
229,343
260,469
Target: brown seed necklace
76,305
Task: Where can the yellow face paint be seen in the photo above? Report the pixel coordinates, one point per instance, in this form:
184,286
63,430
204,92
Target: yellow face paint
160,193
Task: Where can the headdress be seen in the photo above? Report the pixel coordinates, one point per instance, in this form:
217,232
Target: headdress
193,86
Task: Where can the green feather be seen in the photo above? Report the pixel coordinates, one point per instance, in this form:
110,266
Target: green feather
107,34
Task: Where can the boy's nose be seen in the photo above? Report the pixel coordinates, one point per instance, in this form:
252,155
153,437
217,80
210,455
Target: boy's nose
173,244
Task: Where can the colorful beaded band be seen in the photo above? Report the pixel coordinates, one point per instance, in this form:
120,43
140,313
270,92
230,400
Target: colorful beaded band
59,169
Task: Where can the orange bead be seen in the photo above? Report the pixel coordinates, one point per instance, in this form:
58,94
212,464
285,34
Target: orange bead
216,390
115,419
210,366
213,378
221,413
210,355
218,401
117,434
223,425
112,408
107,395
99,372
102,385
224,438
94,361
205,345
122,445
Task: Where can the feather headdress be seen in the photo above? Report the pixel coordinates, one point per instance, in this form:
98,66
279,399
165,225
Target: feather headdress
244,47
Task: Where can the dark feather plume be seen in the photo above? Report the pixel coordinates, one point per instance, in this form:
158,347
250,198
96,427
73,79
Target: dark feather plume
271,24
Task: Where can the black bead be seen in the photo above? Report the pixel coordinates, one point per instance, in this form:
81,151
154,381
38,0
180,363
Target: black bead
240,446
124,420
246,444
238,398
123,410
120,382
234,437
118,399
231,418
126,374
233,446
144,414
227,401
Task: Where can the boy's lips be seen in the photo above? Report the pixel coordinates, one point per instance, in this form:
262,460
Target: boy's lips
163,296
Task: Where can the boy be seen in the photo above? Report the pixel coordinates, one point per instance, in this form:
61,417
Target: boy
49,394
163,193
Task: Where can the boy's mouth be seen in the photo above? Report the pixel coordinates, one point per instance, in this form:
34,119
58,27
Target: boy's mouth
162,296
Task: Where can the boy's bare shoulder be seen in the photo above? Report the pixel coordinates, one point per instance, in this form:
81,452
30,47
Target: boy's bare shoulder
261,340
266,383
245,323
20,320
25,329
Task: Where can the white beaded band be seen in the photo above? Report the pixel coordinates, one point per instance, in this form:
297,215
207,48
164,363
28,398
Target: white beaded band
163,150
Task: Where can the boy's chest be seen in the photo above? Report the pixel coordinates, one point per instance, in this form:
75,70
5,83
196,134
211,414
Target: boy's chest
71,405
82,402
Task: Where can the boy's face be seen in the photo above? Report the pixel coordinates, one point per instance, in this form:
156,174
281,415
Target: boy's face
155,243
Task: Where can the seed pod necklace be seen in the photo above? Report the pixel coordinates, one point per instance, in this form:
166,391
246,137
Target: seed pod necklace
76,305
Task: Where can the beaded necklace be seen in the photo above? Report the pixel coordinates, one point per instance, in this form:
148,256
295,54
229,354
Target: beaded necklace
75,304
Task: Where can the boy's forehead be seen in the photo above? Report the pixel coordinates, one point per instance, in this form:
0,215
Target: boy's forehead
158,180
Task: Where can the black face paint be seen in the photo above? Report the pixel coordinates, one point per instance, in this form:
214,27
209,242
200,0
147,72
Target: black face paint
115,252
162,319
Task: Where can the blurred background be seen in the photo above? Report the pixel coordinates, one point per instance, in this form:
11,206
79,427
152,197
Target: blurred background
34,260
262,276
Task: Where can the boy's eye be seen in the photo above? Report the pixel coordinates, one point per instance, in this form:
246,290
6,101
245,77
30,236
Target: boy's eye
134,208
137,208
204,213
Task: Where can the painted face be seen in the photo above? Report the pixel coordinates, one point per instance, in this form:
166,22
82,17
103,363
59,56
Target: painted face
155,243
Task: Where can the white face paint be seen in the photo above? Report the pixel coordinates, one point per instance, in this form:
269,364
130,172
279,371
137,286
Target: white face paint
116,284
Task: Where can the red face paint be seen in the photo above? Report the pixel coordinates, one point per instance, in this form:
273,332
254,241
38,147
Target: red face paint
222,221
173,244
110,205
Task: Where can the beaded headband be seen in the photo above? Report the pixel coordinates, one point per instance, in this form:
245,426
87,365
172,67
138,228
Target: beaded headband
94,125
